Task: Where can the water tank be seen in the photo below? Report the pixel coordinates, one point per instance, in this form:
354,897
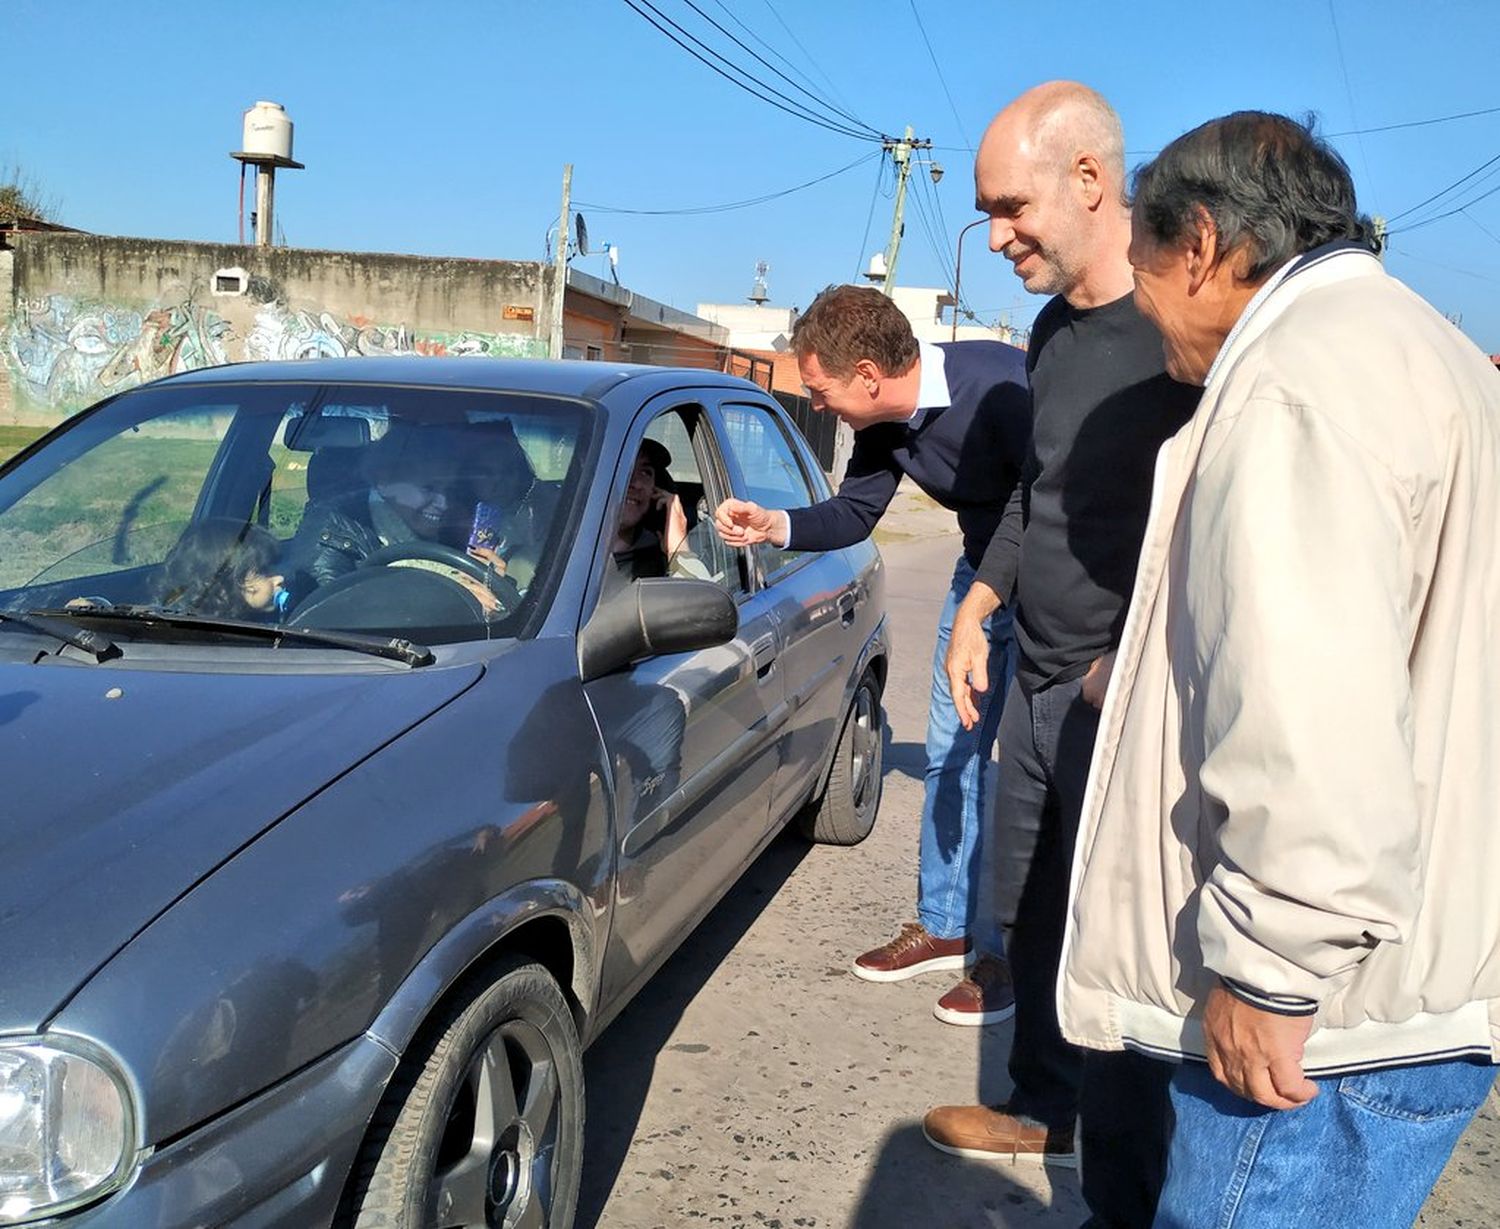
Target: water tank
268,131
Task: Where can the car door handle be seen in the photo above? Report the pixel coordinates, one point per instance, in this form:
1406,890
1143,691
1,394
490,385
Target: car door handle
763,650
847,604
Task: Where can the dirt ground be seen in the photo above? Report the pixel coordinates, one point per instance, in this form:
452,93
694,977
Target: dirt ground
756,1082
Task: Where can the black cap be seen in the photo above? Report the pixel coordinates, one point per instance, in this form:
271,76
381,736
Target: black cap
656,453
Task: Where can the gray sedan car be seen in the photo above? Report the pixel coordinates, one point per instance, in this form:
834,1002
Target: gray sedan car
370,731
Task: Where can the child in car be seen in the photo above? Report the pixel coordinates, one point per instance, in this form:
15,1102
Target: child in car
226,569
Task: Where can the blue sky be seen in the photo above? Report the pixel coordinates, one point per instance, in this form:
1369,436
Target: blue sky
443,129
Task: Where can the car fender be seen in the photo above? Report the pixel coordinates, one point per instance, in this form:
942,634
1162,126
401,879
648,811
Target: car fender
494,927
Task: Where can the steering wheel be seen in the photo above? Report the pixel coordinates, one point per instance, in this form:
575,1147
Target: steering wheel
505,590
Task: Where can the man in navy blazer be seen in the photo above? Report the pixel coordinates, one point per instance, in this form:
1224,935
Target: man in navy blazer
956,419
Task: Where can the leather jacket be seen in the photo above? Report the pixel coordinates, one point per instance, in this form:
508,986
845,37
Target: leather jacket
332,541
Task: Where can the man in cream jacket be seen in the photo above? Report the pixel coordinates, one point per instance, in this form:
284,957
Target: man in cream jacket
1289,856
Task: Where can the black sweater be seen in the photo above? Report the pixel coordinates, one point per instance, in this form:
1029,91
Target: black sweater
968,457
1067,552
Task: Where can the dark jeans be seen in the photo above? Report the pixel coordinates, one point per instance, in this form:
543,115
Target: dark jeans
1045,743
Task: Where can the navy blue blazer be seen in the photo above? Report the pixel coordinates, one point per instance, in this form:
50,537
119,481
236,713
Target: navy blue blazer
968,456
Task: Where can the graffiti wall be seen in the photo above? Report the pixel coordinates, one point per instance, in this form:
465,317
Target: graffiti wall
85,316
65,354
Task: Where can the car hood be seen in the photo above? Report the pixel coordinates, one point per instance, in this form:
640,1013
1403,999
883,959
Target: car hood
123,788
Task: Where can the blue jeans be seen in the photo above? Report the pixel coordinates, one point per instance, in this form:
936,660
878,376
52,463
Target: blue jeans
1362,1154
955,811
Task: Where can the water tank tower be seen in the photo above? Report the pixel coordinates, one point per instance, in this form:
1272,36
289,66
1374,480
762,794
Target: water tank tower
266,145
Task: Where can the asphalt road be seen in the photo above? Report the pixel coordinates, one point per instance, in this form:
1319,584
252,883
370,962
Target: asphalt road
757,1082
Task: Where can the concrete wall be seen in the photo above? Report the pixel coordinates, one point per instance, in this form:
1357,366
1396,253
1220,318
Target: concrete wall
752,326
84,316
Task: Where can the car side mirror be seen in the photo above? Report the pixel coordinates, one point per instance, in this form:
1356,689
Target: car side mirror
648,618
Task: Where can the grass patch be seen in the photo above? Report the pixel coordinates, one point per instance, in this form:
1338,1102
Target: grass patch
13,439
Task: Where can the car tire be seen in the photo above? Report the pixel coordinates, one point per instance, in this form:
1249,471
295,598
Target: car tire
845,813
483,1121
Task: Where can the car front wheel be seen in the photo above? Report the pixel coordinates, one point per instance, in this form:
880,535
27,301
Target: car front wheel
482,1126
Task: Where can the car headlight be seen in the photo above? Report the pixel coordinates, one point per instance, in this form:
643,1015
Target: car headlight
67,1130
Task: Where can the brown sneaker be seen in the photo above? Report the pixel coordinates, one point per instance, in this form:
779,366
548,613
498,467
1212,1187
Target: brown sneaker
911,952
991,1134
985,996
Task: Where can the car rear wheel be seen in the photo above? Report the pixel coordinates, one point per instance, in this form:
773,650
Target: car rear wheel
845,814
483,1123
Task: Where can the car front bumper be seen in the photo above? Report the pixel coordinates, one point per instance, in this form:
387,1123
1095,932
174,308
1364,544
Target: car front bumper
278,1161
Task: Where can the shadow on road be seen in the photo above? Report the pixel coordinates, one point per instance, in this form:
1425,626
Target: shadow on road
914,1184
619,1066
909,759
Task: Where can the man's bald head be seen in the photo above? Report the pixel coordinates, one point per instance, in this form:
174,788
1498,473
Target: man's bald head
1050,172
1055,123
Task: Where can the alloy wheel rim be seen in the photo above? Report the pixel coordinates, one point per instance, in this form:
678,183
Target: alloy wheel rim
865,748
497,1162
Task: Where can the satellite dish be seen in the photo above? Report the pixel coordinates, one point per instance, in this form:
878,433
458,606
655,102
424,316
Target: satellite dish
581,229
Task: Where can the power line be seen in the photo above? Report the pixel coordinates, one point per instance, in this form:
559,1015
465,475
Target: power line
811,59
817,98
859,264
1481,225
1440,265
789,105
730,205
1459,182
1401,230
927,227
1348,132
728,12
1416,123
1338,41
792,106
942,81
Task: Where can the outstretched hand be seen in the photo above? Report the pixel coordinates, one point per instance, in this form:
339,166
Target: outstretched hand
743,523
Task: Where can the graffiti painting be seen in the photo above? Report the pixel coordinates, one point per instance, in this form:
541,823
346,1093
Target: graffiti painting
65,354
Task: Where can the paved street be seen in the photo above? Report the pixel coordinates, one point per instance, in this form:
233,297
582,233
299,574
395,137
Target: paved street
757,1082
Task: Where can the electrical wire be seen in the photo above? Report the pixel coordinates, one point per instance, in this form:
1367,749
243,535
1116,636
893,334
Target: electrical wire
1338,41
727,206
1416,123
1348,132
1459,182
1440,265
728,12
1480,224
817,98
1402,230
789,105
859,262
942,81
811,59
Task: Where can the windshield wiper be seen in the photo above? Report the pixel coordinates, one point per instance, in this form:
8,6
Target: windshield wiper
375,646
100,647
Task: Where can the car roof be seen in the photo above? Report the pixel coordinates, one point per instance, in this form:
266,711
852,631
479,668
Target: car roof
557,377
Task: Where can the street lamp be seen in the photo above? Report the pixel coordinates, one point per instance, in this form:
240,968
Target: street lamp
958,264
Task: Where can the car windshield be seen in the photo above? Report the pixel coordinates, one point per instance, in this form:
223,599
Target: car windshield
429,514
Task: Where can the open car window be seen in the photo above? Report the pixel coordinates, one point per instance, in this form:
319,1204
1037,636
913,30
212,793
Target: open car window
432,514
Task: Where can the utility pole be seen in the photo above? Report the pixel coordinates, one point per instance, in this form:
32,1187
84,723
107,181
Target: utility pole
1380,236
901,152
560,269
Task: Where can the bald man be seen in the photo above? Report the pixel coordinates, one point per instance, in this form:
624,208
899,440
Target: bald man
1050,173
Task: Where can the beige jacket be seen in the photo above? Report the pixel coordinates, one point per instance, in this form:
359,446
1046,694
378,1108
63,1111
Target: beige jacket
1296,783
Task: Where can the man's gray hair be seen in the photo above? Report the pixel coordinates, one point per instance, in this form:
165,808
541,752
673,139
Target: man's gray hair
1269,184
1079,120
